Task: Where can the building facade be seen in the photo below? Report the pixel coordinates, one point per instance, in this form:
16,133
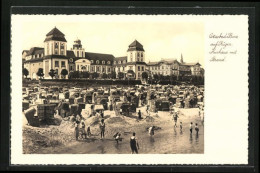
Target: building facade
54,55
168,67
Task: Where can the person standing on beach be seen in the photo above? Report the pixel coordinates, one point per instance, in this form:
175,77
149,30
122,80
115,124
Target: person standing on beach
197,129
134,144
139,114
76,126
102,126
180,126
151,131
175,117
191,128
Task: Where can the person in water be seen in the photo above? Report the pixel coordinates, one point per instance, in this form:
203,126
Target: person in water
117,137
134,144
151,131
175,117
180,126
197,129
102,128
191,127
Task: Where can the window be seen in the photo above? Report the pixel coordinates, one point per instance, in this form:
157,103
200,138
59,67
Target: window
62,63
138,54
137,59
97,61
141,54
92,69
56,63
142,68
77,54
70,68
138,68
123,68
82,54
61,52
56,51
103,70
92,61
108,62
131,67
62,46
119,62
103,62
97,68
56,45
108,69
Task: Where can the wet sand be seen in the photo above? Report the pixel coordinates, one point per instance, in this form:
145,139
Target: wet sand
167,140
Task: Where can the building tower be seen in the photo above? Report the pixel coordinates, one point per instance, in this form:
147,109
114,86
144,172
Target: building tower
55,53
135,52
181,59
55,43
77,49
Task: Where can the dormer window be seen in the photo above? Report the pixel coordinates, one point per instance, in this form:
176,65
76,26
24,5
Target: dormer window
103,62
92,61
108,62
97,61
114,62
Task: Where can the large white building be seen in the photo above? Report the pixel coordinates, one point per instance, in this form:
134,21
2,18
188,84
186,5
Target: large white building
54,55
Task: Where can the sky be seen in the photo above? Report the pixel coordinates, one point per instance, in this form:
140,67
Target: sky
161,39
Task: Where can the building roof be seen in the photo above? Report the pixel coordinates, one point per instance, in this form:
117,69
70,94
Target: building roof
99,56
35,50
153,63
26,51
121,58
56,35
70,54
55,56
56,32
134,63
135,46
190,64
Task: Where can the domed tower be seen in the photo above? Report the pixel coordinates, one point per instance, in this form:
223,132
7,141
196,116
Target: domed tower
77,49
55,43
135,52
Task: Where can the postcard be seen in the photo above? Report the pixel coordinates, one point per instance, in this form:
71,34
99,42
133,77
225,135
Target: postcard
129,89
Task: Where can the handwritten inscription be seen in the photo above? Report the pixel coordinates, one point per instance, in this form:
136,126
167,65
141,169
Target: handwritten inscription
221,45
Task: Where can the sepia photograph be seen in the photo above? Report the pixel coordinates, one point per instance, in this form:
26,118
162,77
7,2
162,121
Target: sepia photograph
112,86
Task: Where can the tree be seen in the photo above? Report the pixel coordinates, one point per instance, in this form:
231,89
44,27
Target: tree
121,75
52,73
64,73
40,73
130,73
145,75
95,75
113,75
85,74
104,75
70,75
25,72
